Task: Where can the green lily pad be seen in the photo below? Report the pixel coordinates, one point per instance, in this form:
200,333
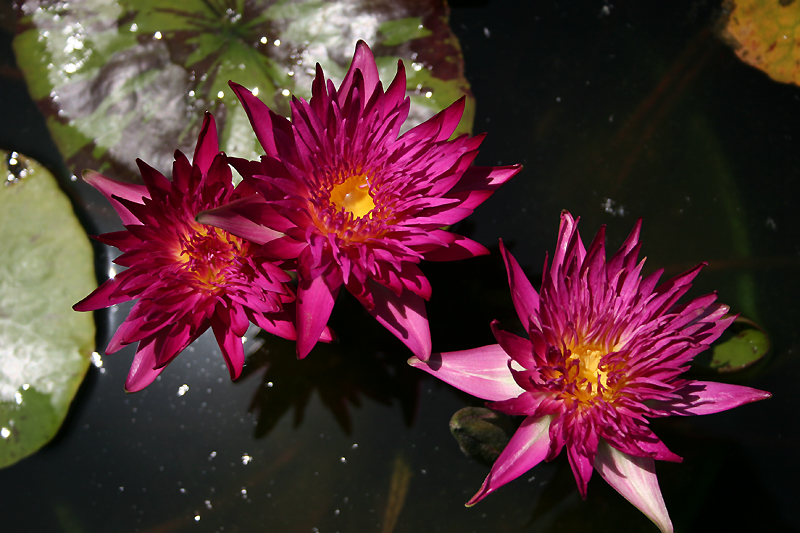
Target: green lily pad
46,265
482,433
120,79
746,347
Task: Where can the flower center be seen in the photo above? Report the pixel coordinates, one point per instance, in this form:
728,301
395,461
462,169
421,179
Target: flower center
352,196
583,372
208,254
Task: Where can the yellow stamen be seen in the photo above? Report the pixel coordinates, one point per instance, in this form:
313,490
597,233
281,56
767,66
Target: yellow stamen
352,195
588,374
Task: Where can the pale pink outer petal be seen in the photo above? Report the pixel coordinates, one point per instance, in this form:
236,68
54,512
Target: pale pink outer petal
482,372
111,188
634,478
227,217
314,305
142,372
707,397
405,317
524,296
526,449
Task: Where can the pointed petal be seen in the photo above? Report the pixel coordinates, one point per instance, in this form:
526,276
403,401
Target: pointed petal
404,316
229,218
104,295
364,61
143,371
458,247
111,188
315,301
524,296
634,478
706,397
581,468
263,120
207,144
526,449
230,345
481,372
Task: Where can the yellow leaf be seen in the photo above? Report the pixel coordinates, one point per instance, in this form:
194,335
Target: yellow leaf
766,35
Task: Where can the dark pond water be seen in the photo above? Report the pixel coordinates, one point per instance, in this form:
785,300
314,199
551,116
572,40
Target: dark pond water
617,112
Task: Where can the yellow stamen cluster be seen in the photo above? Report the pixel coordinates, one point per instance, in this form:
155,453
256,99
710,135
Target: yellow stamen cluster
207,253
353,196
584,371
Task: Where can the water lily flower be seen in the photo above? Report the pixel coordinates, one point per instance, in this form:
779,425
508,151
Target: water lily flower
605,352
186,277
356,204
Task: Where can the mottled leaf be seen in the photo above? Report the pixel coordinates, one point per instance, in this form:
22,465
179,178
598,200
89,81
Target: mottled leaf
482,433
46,265
763,34
748,345
131,78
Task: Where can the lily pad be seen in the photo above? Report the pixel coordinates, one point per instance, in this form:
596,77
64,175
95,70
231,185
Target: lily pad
763,34
46,265
482,433
124,79
746,347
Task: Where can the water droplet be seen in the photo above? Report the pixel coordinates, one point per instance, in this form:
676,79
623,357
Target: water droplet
183,389
354,446
157,35
276,42
97,360
197,517
221,95
244,492
285,92
5,432
428,94
269,384
18,398
134,27
343,460
208,504
246,459
212,455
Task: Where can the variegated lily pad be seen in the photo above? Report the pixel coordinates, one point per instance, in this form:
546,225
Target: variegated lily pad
46,265
124,79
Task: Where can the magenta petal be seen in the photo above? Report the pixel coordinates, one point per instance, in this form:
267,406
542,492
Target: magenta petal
231,346
706,397
634,478
481,372
458,248
260,117
207,144
104,295
228,218
526,449
314,305
405,317
143,371
111,188
364,61
524,296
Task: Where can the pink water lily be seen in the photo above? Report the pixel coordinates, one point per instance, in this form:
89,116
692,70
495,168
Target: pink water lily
186,277
356,204
605,352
